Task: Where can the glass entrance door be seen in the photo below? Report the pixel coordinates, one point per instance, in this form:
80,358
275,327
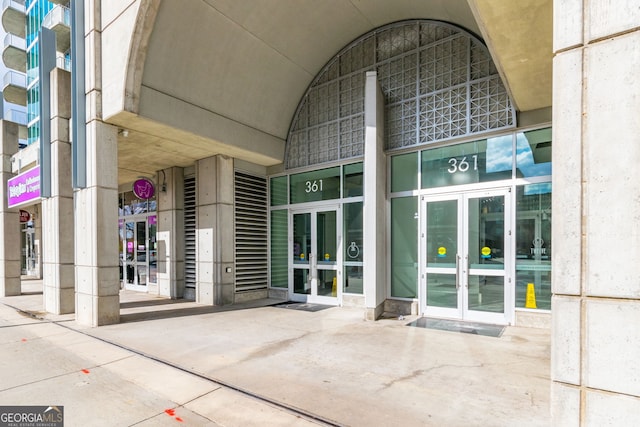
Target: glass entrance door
315,262
136,255
466,256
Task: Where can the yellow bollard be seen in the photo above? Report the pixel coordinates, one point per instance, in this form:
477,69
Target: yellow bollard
334,288
531,297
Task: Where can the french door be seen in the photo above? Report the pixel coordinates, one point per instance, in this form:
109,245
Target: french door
466,256
314,255
138,267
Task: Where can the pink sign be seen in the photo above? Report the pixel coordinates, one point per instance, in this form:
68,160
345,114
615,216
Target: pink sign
24,188
152,220
129,247
143,188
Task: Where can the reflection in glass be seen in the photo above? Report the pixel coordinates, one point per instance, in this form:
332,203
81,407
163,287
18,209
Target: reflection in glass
327,285
353,180
316,185
353,249
533,245
404,247
278,192
279,248
441,290
486,232
301,283
404,172
479,161
486,293
533,153
442,233
327,244
153,251
301,238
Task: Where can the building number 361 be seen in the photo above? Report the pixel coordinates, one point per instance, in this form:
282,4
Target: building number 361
462,165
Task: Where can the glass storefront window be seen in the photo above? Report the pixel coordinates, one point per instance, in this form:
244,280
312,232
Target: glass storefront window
479,161
279,191
353,180
353,248
129,204
533,246
279,248
404,172
533,156
317,185
404,247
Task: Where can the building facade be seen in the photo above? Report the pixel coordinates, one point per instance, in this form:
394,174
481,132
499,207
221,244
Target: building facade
395,157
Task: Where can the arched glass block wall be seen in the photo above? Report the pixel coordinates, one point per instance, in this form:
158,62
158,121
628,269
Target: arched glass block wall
439,83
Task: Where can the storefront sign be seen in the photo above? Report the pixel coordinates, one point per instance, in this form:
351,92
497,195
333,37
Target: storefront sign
143,188
24,188
25,216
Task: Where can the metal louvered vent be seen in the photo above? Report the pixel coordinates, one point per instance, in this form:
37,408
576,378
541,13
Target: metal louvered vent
190,232
251,232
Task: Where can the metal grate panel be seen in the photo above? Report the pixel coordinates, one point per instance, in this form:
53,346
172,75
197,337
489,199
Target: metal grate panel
190,232
251,232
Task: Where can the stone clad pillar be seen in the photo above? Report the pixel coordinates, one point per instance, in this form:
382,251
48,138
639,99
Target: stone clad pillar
596,279
58,284
96,230
9,218
170,232
374,210
214,241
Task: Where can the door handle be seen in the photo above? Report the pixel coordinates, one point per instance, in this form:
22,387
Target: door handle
466,257
457,272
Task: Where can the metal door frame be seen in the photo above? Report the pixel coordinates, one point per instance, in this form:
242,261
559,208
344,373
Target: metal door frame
313,297
462,268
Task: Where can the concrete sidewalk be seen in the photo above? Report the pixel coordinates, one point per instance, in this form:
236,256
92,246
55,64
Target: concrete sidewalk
262,365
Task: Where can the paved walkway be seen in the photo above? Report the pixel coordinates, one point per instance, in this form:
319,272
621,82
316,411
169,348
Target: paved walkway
171,362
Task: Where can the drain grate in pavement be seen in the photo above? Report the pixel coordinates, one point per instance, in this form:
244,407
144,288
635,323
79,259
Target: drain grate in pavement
459,326
302,306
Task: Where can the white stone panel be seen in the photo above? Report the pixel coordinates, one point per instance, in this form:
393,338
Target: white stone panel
565,405
607,17
116,47
612,346
612,150
565,349
102,155
567,179
567,25
605,409
205,233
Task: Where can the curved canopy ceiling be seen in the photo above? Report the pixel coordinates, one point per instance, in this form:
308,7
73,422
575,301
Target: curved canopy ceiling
248,63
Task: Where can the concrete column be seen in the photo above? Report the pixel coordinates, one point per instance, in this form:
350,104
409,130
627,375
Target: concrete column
596,236
214,241
58,285
96,231
374,216
9,218
170,232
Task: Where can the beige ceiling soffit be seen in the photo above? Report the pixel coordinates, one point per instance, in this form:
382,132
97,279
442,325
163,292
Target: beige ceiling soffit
473,5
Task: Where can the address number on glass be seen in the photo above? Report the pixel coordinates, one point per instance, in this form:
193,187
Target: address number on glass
463,164
313,186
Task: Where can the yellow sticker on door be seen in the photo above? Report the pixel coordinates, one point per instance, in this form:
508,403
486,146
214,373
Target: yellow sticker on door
442,252
486,252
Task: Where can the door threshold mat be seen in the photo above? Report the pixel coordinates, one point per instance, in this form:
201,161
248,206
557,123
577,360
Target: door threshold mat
302,306
485,329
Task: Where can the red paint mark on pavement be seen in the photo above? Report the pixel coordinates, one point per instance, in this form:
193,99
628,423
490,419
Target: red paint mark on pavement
86,371
179,419
170,412
24,340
